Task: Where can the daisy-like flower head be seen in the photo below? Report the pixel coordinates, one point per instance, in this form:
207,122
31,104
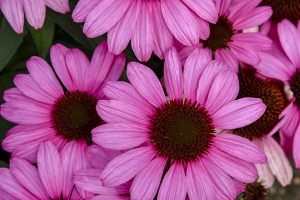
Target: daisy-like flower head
44,111
284,64
149,24
178,140
51,180
226,39
273,94
35,11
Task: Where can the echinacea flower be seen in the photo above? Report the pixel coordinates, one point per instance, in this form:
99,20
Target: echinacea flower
176,151
35,11
150,25
44,111
284,64
273,94
226,40
52,179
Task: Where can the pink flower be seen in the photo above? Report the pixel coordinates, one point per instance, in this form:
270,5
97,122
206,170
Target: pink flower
177,136
44,111
227,41
283,63
35,11
51,180
150,25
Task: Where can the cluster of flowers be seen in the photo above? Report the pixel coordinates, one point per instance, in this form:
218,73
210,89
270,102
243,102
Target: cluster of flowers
205,131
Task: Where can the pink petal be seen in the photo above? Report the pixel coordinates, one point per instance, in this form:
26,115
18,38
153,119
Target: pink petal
193,69
173,75
114,111
228,58
28,176
26,128
244,52
119,35
173,185
241,8
235,167
89,180
181,22
278,162
222,6
142,36
120,136
13,12
146,83
224,186
43,75
206,80
265,174
205,9
296,148
240,148
35,11
6,195
57,55
98,157
163,38
49,163
224,89
239,186
146,183
290,40
126,166
61,6
11,185
30,88
204,30
23,137
27,152
83,9
255,40
199,184
122,91
98,68
104,16
77,64
239,113
104,197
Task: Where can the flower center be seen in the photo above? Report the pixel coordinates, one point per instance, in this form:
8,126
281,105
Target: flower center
295,87
272,94
284,9
220,34
255,191
74,115
181,130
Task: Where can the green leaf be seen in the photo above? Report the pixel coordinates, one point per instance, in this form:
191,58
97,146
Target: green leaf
9,42
3,164
65,21
43,37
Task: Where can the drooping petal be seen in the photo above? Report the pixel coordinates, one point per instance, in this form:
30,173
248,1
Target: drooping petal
173,75
239,113
256,40
14,13
265,175
126,166
146,182
241,8
228,58
205,9
35,11
173,185
27,152
244,52
239,186
83,9
146,83
61,6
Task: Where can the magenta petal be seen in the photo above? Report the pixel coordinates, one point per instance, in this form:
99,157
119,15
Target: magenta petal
204,9
257,41
114,111
146,182
296,147
49,163
199,184
235,167
193,69
222,6
11,185
27,152
227,57
181,22
14,13
6,195
28,176
290,40
224,89
122,91
104,16
119,35
35,12
43,75
239,147
173,185
126,166
61,6
239,186
104,197
244,52
146,83
173,75
239,113
241,8
143,34
83,9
